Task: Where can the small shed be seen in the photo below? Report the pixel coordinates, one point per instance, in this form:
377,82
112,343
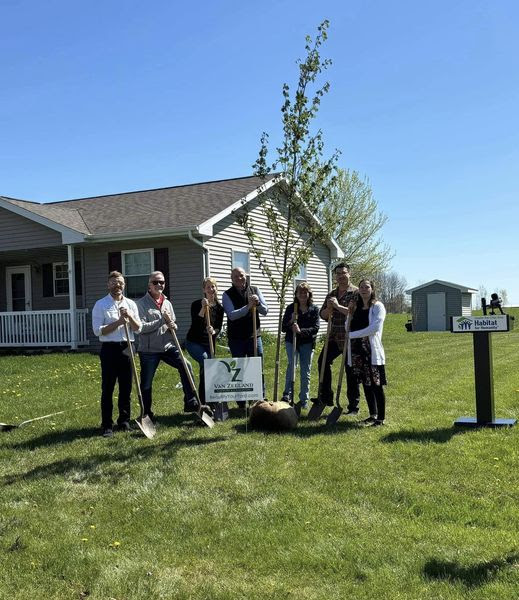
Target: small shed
433,303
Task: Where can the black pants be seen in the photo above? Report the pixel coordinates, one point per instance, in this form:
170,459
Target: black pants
352,393
115,366
376,399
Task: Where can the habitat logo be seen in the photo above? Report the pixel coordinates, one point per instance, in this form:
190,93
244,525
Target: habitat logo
464,324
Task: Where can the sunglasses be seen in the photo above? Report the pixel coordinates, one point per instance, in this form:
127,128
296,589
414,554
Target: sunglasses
158,282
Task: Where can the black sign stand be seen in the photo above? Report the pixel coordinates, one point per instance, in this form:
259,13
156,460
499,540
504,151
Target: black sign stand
484,380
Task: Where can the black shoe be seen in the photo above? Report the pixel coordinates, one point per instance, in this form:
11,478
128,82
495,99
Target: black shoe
107,432
378,423
124,426
352,412
191,405
285,398
369,421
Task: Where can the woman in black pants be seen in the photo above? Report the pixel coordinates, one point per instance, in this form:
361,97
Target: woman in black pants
366,355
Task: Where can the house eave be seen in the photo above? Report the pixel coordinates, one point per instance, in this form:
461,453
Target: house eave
142,234
68,235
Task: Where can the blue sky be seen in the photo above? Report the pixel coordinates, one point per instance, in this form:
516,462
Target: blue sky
105,97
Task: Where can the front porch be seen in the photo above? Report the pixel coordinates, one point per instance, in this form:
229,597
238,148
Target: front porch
42,328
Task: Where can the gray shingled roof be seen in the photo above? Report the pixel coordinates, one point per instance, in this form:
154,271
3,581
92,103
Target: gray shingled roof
175,207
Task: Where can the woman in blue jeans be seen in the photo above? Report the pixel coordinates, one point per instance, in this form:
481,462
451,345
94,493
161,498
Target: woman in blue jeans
306,329
197,339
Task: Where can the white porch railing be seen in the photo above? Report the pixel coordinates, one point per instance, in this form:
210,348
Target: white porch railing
42,328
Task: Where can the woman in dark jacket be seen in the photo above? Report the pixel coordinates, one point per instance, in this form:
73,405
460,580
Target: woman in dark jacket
306,329
197,340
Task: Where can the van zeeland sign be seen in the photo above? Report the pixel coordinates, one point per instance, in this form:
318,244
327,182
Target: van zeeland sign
233,379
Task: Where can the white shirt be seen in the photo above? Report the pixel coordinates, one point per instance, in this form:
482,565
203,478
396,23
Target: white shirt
376,316
106,311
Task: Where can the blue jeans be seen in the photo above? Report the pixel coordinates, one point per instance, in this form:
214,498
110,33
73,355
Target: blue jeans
199,353
305,353
149,363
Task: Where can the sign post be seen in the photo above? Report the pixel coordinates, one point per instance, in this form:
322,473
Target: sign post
481,329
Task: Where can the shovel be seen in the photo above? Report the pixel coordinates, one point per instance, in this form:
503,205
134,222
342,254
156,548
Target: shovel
318,405
296,405
202,415
221,411
336,412
144,421
8,427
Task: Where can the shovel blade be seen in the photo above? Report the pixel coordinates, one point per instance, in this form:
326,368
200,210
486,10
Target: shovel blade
206,419
315,412
6,427
297,407
333,417
146,426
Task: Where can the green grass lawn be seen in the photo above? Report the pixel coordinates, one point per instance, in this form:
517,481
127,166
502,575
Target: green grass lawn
416,509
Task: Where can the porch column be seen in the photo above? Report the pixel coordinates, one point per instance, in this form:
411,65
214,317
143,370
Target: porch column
72,297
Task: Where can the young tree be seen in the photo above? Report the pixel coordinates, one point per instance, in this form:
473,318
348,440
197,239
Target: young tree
308,181
353,213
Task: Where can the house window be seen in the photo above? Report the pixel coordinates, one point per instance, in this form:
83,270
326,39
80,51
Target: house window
240,259
60,278
300,276
137,266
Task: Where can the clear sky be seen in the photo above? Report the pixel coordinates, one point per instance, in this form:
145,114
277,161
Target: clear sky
113,96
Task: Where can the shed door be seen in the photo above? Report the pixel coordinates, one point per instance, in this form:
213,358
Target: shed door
436,315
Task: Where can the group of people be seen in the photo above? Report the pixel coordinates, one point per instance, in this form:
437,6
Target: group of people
354,314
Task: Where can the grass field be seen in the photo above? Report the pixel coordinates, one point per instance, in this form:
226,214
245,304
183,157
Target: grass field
413,510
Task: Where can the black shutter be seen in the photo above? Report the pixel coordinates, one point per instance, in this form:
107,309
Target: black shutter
78,278
115,262
47,280
162,264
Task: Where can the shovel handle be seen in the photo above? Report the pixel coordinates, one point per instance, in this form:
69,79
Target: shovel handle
325,349
254,330
343,362
134,366
183,359
208,322
294,350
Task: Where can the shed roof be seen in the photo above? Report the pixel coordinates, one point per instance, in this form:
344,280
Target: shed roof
463,288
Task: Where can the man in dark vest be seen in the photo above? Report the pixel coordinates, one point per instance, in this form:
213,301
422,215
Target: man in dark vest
237,302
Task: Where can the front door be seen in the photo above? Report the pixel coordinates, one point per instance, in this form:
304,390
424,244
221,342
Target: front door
18,286
436,314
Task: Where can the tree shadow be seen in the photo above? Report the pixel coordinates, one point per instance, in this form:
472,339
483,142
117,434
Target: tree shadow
472,576
90,469
438,436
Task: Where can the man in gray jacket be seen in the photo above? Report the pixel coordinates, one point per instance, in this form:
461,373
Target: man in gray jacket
155,343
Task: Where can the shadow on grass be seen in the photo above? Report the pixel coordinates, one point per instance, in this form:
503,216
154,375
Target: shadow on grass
471,576
438,436
71,435
111,465
307,428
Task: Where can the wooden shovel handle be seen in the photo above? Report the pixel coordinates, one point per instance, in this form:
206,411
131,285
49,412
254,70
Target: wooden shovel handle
208,322
254,330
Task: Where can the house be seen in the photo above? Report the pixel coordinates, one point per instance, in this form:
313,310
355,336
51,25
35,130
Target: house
188,232
435,302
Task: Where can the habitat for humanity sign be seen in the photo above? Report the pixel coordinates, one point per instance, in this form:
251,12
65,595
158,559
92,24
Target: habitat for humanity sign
233,379
484,323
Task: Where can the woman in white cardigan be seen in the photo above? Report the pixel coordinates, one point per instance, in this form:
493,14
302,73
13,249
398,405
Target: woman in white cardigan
366,353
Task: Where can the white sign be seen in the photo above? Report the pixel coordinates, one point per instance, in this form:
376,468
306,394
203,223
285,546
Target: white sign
484,323
233,379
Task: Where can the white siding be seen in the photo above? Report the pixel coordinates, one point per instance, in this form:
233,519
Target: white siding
229,235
